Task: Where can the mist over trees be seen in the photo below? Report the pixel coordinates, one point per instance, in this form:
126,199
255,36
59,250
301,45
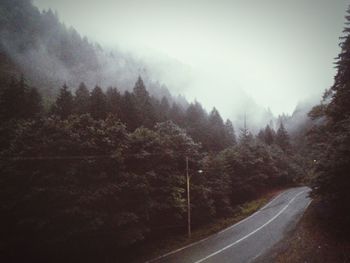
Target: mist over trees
102,172
98,164
49,53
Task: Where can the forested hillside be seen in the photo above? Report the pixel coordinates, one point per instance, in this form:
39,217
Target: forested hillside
93,150
49,53
101,171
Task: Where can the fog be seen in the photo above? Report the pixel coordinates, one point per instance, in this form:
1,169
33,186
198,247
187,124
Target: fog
231,54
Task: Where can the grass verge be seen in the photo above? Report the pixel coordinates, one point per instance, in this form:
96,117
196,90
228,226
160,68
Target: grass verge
159,247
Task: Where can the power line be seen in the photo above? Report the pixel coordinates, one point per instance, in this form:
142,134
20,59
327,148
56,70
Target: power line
83,157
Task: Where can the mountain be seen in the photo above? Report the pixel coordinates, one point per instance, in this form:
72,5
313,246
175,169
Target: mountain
48,53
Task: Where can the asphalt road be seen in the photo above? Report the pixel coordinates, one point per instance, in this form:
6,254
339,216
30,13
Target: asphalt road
251,237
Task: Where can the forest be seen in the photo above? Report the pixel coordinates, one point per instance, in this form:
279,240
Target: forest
89,172
104,170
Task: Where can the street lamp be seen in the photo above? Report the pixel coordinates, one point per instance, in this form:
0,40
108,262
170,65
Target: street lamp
188,199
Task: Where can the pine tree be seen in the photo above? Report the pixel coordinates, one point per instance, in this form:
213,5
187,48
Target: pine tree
164,109
64,106
19,101
282,138
332,165
82,99
197,124
98,103
176,114
339,107
216,128
113,101
145,110
245,137
230,133
269,135
140,92
128,112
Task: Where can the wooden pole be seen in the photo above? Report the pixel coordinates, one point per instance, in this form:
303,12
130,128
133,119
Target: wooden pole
188,201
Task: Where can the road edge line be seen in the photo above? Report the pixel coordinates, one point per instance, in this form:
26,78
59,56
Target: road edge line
253,232
204,239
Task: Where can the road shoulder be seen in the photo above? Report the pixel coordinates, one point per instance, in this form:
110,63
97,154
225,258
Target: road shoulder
307,241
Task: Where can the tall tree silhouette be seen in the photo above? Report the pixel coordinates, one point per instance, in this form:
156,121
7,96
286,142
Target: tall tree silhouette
113,101
98,103
282,138
332,159
145,110
64,106
82,99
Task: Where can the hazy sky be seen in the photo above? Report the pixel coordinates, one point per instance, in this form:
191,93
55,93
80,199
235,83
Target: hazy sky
278,52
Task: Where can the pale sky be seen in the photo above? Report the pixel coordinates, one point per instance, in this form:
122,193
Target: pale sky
278,52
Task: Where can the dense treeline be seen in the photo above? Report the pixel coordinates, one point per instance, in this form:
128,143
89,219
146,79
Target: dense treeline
329,141
100,171
35,42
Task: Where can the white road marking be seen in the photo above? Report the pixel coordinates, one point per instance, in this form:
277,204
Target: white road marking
254,214
204,239
253,232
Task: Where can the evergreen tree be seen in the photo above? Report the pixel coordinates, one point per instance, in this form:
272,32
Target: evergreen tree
82,99
129,114
216,128
282,138
164,109
113,101
269,135
339,107
197,124
230,133
19,101
331,156
176,114
140,92
64,106
245,137
98,103
145,111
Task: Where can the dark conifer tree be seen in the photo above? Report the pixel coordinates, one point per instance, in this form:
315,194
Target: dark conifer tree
331,154
113,101
245,137
282,138
197,123
19,101
82,99
216,129
64,105
128,112
176,114
339,107
145,110
269,135
164,109
230,133
98,103
140,92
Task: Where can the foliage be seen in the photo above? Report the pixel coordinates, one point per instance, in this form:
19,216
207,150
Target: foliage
329,140
103,171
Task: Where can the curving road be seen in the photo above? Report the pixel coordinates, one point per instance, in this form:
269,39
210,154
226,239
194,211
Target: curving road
249,238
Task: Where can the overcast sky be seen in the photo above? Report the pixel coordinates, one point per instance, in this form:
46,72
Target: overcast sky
279,52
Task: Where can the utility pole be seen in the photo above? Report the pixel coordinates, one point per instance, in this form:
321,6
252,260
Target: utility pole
188,201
